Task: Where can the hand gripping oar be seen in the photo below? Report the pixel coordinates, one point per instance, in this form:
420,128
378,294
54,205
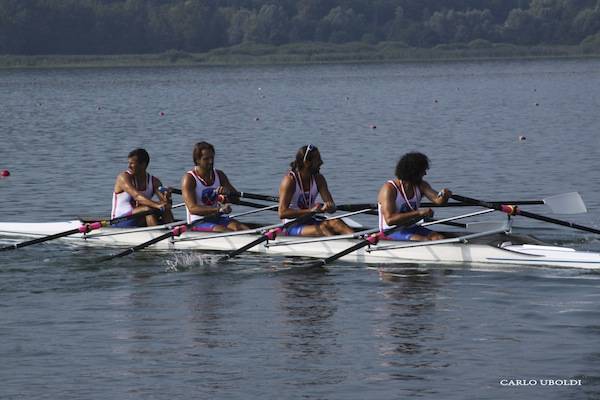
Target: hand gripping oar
513,210
84,228
269,235
245,195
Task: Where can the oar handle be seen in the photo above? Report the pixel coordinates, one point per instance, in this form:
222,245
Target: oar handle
128,217
238,195
236,199
476,202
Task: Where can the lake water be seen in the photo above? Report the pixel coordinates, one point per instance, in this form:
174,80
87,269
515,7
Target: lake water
169,326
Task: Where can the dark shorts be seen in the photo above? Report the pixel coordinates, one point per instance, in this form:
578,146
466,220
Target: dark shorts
128,223
209,224
406,234
296,230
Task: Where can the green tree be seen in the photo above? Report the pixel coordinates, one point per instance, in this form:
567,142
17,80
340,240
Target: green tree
270,25
344,25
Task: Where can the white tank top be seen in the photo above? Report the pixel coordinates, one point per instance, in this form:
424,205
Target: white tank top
123,203
403,204
303,199
205,193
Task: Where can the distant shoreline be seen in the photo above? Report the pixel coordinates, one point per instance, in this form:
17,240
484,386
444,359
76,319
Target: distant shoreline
304,53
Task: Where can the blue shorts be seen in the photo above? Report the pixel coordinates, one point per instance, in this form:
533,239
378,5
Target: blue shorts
128,223
296,230
406,234
209,224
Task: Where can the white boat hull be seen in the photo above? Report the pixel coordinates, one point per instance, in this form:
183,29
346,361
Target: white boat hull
488,251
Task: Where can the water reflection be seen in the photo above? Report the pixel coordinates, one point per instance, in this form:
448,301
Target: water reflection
309,305
310,335
408,324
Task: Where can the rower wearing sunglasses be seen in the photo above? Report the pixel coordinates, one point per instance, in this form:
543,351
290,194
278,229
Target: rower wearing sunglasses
298,196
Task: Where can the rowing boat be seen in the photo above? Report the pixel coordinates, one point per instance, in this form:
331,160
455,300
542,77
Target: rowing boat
495,246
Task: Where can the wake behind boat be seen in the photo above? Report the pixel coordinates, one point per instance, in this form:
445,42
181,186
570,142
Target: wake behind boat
492,246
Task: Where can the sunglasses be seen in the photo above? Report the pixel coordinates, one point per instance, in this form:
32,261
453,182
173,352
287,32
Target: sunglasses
308,149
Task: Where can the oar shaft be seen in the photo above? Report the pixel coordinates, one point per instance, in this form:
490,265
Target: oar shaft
341,254
39,240
241,202
372,239
251,204
525,214
268,235
139,246
242,249
359,206
85,228
257,196
558,221
456,204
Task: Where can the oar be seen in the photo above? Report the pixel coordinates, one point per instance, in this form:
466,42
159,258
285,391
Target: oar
236,198
373,238
371,207
369,240
84,228
513,210
492,230
251,204
565,203
173,232
269,235
176,231
246,195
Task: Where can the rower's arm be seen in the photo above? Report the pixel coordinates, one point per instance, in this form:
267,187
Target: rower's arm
124,183
286,191
329,205
188,192
165,197
438,198
227,186
387,199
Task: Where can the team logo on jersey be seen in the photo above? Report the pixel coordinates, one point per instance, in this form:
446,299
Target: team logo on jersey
209,196
301,203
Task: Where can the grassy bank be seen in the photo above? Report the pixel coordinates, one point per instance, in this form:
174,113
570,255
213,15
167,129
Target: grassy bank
302,53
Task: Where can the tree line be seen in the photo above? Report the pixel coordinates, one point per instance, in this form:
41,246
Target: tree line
154,26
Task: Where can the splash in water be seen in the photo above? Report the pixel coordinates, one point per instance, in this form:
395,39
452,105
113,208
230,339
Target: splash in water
186,261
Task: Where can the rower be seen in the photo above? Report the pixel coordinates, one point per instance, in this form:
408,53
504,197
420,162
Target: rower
205,191
298,193
399,200
133,193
